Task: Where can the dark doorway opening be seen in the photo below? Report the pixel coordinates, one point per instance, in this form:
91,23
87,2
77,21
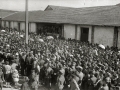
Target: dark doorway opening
115,37
47,28
18,27
84,34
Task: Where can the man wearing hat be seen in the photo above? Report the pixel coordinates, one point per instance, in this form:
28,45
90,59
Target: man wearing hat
79,74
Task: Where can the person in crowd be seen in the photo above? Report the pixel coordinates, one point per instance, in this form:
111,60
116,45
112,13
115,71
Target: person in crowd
1,74
48,74
104,86
7,72
73,84
60,80
29,60
22,57
33,81
25,85
15,77
79,74
93,67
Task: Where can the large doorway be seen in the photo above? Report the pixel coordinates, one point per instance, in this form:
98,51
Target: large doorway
84,34
115,37
18,26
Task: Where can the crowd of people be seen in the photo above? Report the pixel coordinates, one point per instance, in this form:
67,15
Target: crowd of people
49,29
58,63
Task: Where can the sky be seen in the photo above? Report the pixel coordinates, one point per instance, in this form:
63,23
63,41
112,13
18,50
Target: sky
19,5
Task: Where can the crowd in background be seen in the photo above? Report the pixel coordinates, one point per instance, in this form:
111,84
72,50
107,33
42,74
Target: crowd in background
64,64
56,29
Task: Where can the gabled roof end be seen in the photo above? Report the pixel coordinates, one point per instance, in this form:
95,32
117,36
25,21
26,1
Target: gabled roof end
48,8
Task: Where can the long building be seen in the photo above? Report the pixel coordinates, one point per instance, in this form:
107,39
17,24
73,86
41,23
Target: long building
4,13
94,24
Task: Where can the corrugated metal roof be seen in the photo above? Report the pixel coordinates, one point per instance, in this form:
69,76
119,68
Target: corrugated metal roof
102,15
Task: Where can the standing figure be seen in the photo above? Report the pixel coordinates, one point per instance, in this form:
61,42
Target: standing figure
15,76
73,84
33,81
25,85
48,74
60,80
29,61
7,71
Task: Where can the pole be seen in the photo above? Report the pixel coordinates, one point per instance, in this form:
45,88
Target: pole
26,23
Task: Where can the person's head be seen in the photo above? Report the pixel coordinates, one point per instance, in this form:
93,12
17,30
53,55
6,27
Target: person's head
32,71
15,71
7,62
26,78
13,61
79,68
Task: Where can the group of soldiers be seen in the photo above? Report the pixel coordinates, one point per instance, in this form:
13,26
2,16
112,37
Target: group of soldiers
58,64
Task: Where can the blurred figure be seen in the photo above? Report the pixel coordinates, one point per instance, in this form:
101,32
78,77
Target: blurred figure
60,80
25,85
7,71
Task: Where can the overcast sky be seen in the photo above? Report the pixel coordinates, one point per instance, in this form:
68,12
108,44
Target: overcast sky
42,4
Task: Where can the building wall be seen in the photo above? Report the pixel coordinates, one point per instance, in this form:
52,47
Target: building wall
69,31
7,24
2,23
22,26
32,27
104,35
15,25
119,37
11,25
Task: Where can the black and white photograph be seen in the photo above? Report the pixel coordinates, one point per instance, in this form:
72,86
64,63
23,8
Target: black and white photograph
59,44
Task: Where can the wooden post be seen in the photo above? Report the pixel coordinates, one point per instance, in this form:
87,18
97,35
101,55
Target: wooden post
26,23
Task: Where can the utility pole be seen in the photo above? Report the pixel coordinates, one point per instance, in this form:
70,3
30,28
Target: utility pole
26,23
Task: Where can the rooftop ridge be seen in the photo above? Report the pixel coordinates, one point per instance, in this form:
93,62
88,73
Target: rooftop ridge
8,10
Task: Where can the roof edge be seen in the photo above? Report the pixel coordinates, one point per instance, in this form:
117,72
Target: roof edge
10,15
48,7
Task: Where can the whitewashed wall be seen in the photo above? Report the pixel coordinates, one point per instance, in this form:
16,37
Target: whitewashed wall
11,25
7,24
32,27
15,25
119,38
69,31
22,26
104,35
2,23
